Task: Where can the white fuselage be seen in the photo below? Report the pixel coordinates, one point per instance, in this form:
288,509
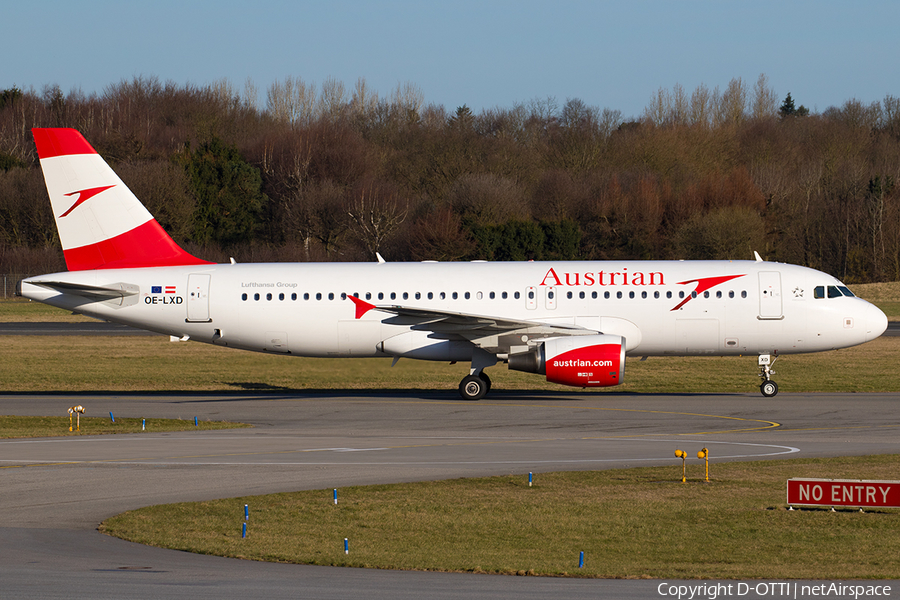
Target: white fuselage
750,307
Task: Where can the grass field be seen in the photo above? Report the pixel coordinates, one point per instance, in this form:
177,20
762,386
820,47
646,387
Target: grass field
636,523
21,427
95,364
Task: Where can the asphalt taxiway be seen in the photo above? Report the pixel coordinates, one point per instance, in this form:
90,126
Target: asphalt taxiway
54,491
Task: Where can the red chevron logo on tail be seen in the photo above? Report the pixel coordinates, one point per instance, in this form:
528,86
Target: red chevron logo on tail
83,196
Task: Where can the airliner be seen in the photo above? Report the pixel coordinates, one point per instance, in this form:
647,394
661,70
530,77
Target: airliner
572,322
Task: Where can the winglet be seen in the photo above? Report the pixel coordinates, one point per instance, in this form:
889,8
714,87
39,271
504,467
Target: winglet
362,307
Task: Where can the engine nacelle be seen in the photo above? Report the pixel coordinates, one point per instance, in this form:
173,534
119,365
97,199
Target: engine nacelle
580,361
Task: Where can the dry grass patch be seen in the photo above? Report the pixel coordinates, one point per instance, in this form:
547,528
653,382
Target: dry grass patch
21,427
95,363
629,523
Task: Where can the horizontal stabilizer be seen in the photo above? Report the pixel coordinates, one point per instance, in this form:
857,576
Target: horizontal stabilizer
91,292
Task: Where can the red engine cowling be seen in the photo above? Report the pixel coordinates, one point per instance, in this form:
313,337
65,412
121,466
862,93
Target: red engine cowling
580,361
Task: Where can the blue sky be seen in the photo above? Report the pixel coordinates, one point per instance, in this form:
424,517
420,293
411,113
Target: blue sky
481,53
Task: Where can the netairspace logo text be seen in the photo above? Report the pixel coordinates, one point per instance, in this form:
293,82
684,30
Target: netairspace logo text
712,591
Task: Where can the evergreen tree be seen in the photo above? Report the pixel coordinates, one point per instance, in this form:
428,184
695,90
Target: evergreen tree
788,110
228,192
787,107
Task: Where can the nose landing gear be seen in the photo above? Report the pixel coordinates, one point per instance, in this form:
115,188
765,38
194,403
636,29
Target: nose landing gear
768,388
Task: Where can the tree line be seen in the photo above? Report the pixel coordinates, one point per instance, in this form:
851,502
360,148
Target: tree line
326,173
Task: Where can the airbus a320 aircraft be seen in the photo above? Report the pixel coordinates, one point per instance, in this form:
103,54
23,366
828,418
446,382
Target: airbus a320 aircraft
573,322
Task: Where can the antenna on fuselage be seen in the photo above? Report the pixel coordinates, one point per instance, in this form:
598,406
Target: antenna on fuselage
380,259
757,256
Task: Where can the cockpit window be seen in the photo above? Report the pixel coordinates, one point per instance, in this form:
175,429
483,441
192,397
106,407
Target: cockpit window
833,291
846,291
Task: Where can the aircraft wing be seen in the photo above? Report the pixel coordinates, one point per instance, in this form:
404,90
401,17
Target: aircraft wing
493,334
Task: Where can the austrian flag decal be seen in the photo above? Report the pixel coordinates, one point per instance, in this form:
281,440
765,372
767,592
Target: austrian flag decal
158,289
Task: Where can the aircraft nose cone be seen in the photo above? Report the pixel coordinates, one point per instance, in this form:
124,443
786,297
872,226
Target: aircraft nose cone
876,322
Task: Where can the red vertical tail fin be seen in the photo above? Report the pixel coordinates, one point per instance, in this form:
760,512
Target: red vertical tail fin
101,224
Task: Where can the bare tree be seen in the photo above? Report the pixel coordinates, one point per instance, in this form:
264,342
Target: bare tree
332,99
702,108
734,103
679,110
292,101
364,100
374,215
250,97
765,102
660,107
439,236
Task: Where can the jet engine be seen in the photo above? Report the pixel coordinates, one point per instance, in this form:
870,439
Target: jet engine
580,361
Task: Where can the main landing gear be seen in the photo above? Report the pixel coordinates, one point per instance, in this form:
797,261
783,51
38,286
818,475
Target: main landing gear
768,388
476,384
474,387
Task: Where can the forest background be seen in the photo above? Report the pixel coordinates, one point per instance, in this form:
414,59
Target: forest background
326,173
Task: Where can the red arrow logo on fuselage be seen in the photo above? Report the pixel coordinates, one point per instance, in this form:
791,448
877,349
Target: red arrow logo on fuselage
703,284
362,307
83,196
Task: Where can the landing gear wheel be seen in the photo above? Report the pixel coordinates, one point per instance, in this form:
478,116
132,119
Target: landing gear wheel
768,388
473,387
487,380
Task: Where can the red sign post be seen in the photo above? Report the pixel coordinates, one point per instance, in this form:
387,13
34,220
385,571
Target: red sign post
843,492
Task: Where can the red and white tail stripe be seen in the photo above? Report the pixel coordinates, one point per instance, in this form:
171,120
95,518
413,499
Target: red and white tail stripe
101,224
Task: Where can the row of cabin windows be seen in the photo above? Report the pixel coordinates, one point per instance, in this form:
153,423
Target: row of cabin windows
504,295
